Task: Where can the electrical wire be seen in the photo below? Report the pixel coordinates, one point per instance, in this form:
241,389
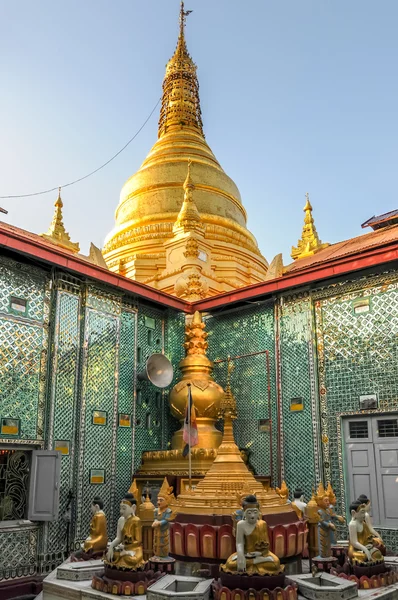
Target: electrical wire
92,172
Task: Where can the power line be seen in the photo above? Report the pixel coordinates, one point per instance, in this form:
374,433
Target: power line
92,172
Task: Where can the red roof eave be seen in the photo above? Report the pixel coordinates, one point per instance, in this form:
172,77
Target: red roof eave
56,256
347,264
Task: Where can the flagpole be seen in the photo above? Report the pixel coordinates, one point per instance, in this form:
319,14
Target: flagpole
189,437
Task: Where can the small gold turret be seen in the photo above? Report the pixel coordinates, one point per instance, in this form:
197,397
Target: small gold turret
57,233
220,491
309,243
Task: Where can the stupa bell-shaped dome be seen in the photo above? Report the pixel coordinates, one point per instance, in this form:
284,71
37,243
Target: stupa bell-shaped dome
151,199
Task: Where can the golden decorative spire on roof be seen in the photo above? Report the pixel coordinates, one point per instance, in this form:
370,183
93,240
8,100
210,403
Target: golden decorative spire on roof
228,409
309,243
180,100
188,218
57,233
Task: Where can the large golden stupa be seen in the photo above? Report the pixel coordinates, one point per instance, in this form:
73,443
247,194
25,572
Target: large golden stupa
145,243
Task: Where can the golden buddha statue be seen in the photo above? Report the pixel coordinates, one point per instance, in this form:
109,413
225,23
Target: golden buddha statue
125,552
252,554
362,499
363,548
98,538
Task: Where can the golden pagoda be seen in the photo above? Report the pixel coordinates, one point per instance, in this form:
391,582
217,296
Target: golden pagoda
207,395
228,479
147,242
309,243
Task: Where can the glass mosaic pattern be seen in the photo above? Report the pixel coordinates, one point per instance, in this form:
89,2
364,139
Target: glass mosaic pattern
21,561
98,441
63,397
125,403
358,354
174,350
149,411
234,334
23,339
296,375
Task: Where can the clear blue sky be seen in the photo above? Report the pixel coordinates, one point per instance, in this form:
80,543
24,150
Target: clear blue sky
296,96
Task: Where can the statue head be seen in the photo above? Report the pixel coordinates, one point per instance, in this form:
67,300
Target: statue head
363,499
251,509
96,505
299,494
324,502
358,511
162,502
128,506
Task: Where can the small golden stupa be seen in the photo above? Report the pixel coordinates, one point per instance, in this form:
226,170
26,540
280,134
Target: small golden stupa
228,479
207,396
145,243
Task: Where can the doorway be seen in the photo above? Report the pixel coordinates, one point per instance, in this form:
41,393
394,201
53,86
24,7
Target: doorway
371,456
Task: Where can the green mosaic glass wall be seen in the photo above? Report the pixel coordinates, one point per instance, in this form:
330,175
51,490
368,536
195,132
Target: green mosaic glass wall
62,403
149,412
125,402
358,354
297,375
235,334
174,350
23,347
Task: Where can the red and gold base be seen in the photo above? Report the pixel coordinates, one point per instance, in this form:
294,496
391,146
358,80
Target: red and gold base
246,587
125,583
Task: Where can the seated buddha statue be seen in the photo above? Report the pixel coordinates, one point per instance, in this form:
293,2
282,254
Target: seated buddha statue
98,537
362,499
363,548
252,554
125,552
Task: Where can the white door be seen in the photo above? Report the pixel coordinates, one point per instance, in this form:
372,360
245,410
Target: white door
385,435
360,461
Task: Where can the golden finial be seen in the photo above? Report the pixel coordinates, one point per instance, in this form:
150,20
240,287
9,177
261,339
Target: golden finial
309,243
180,100
183,18
189,217
228,401
57,233
196,336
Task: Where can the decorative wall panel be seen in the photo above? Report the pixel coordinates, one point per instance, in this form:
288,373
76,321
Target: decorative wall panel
18,553
299,427
62,409
125,403
240,333
149,410
357,354
99,392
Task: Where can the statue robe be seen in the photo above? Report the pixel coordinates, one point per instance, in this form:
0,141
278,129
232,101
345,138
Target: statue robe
98,537
257,541
132,542
367,539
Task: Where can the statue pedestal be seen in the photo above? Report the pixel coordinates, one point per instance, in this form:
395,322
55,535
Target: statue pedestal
324,564
80,571
164,565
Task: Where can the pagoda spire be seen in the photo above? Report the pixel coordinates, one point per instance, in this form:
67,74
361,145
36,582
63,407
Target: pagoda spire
180,99
189,217
57,233
309,243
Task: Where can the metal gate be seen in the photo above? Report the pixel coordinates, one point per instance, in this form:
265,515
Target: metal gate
371,455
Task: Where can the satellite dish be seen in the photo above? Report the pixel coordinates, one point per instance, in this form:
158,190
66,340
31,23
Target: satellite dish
158,370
